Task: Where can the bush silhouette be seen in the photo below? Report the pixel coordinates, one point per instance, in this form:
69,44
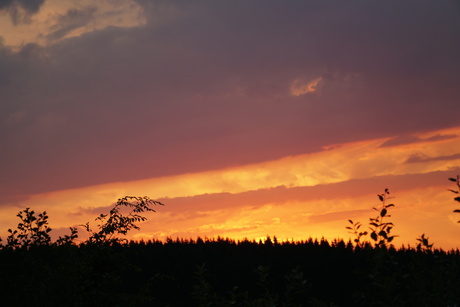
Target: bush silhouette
33,230
380,230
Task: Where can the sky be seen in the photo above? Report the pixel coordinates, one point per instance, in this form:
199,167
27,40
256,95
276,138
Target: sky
246,119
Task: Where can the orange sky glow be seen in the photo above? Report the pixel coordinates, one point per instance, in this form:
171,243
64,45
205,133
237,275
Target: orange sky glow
247,120
292,198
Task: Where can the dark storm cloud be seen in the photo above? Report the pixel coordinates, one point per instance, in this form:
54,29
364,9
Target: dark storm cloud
20,10
205,84
30,6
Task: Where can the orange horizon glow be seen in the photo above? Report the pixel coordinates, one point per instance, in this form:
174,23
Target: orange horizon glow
292,198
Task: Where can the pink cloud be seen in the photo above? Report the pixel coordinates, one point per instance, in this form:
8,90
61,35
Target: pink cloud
410,139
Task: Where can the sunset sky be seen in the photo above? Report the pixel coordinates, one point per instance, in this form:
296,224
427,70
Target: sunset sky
245,118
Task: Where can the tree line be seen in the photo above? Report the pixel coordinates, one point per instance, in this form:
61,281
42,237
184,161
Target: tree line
108,270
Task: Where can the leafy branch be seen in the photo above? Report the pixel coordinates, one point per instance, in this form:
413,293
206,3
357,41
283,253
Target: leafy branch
424,245
457,191
116,223
68,239
380,230
354,229
33,230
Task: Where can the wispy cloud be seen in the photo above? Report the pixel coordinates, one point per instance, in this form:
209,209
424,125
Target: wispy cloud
301,87
341,216
71,21
418,158
411,139
49,22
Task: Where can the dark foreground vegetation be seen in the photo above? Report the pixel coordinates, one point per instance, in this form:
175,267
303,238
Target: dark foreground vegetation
106,270
223,272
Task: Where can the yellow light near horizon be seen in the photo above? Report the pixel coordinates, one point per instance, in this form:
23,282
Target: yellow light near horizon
287,219
416,211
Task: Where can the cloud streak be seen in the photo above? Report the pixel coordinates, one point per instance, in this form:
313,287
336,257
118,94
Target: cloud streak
411,139
417,158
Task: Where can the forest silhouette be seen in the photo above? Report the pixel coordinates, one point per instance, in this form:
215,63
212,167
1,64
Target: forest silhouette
107,270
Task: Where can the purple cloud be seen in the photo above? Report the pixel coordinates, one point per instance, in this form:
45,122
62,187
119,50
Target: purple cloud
206,84
20,10
410,139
